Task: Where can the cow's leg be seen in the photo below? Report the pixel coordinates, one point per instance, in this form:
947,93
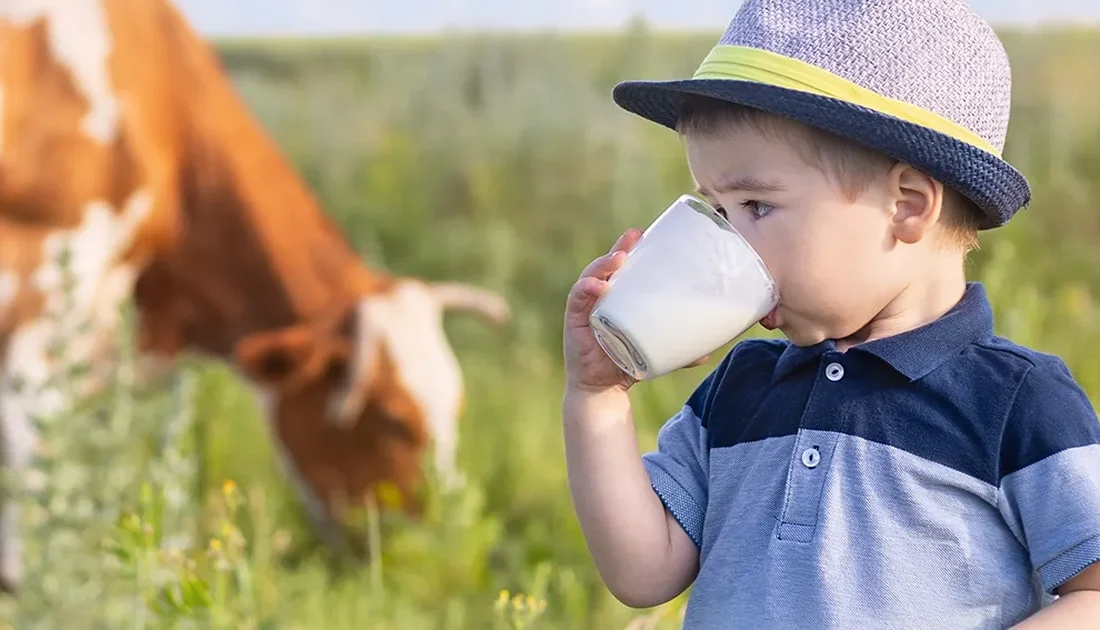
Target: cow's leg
25,395
19,441
34,387
80,290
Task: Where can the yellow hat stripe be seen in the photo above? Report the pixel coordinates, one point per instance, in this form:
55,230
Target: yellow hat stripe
762,66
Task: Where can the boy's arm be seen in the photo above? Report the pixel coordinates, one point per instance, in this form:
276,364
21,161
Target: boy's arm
643,555
643,558
1049,492
1078,604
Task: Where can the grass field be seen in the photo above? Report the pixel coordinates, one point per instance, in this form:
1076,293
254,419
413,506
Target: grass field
501,161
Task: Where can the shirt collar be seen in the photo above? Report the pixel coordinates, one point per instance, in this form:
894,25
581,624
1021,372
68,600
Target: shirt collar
916,352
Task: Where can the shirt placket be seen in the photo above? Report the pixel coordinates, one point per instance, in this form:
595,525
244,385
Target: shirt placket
812,455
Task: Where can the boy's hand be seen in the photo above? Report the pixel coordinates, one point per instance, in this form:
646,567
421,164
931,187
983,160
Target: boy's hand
587,366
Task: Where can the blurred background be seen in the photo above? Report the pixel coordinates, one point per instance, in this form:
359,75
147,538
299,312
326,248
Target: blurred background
477,139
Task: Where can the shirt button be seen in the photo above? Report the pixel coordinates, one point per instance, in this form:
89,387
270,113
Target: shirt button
834,372
810,457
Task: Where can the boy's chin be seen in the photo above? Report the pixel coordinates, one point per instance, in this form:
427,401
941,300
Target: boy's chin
799,335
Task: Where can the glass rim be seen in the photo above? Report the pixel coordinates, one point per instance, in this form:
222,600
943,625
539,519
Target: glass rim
702,207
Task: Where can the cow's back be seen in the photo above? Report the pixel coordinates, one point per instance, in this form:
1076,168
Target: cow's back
87,126
122,136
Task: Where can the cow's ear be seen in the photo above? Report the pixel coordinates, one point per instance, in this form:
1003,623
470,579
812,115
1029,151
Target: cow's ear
278,357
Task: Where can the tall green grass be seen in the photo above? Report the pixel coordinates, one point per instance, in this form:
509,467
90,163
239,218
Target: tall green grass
501,161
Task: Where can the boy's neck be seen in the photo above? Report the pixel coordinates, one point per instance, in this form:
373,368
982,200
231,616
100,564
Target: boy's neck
922,301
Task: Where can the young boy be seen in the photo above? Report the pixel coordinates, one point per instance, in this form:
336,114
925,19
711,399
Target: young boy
893,463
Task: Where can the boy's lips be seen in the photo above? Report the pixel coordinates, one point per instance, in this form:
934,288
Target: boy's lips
771,320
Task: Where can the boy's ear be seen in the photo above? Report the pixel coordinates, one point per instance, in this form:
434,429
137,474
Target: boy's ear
917,200
285,357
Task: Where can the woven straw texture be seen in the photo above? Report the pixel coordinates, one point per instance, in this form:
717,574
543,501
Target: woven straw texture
937,54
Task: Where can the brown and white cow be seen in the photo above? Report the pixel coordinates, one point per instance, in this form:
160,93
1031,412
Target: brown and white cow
124,145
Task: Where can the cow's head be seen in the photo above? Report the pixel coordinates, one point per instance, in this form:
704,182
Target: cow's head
355,401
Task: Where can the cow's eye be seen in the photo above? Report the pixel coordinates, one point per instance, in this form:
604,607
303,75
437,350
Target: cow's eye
393,425
276,365
336,372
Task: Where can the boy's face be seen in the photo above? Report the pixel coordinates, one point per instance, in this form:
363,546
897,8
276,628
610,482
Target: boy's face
829,255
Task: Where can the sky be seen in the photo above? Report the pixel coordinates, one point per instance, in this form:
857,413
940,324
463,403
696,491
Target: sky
318,17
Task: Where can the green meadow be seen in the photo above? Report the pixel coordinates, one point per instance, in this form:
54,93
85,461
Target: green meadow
501,161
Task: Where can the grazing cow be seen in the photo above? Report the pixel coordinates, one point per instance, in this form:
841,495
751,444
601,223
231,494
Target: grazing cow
129,164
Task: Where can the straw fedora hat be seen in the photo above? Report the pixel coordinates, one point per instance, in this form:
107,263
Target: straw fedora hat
926,82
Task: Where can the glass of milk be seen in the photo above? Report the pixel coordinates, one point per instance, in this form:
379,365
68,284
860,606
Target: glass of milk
689,286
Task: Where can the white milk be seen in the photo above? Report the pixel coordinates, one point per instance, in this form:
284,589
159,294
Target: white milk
689,286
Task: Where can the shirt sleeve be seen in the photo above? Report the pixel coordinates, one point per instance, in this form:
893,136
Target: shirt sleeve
1050,474
678,469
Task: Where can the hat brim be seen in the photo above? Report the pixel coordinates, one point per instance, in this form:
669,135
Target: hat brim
993,184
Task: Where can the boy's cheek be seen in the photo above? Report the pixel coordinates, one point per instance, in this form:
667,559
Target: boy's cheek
784,254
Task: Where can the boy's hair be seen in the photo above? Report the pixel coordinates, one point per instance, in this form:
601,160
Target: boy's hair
851,165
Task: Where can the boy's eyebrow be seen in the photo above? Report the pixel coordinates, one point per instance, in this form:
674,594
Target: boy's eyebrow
746,184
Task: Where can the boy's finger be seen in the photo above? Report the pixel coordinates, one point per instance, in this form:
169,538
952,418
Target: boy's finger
604,266
626,241
583,294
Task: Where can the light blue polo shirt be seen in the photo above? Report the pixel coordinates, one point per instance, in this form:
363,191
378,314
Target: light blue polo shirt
942,478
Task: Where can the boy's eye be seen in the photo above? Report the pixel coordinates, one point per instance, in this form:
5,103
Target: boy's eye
758,209
722,211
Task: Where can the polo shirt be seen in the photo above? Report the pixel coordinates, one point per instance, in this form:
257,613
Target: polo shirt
940,478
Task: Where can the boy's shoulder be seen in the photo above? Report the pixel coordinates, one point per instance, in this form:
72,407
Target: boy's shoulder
1023,403
994,360
1005,350
1050,413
